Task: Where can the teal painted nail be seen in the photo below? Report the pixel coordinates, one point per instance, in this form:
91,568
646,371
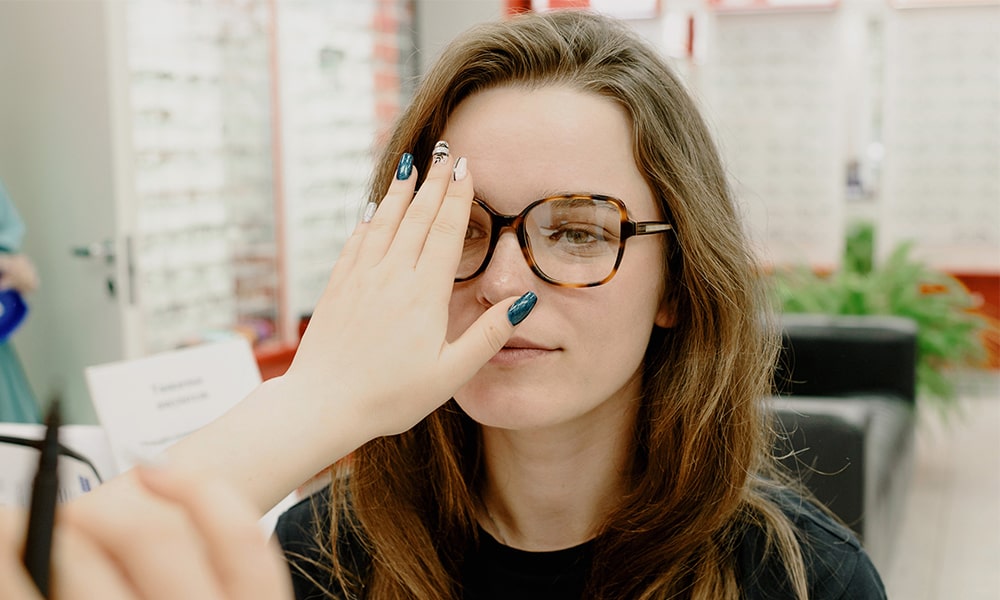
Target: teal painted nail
405,167
521,308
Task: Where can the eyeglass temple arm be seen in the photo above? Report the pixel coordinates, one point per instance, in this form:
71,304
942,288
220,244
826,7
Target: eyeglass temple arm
647,227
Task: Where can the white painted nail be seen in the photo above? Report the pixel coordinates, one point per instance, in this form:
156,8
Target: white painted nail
369,212
460,171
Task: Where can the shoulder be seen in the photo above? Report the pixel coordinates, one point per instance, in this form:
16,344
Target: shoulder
302,524
836,563
303,531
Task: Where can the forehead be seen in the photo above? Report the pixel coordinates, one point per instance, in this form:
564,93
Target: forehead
524,144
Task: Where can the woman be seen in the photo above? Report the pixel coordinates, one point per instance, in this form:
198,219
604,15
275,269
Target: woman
618,446
17,401
613,444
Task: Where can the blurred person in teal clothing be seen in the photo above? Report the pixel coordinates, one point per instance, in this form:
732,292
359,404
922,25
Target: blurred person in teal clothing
17,402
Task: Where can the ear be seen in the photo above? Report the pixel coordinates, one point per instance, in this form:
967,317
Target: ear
666,316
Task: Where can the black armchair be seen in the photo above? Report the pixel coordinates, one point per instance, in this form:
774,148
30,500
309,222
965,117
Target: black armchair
846,402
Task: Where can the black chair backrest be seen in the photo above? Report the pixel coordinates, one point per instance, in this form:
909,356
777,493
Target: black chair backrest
833,355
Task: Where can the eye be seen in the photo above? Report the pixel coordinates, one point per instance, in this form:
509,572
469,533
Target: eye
475,231
574,234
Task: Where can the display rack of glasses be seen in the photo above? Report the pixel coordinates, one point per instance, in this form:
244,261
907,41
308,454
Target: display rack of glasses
199,81
772,81
901,97
253,124
941,184
330,60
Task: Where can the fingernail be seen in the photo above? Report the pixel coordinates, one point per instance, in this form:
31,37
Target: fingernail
440,153
370,209
460,171
405,167
521,308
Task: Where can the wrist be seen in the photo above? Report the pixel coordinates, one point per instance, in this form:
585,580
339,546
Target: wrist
314,425
275,439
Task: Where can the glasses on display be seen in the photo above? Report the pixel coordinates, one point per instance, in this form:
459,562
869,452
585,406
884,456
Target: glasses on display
572,241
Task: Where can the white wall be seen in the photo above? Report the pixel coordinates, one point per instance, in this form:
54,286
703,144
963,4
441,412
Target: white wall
438,21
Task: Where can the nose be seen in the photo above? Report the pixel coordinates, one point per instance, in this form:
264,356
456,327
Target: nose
507,274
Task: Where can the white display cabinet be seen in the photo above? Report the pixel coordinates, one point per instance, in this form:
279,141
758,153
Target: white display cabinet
941,124
186,168
201,118
774,82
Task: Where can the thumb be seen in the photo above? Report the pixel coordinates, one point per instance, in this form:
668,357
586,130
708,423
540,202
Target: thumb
484,338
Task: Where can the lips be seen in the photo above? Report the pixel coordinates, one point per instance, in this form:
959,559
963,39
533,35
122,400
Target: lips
520,351
516,343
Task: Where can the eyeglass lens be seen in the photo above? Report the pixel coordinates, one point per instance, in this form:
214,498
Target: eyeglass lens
571,240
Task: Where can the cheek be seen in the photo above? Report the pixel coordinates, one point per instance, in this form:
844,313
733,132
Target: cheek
627,313
616,330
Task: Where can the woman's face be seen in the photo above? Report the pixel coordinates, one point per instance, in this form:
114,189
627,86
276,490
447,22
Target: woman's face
578,356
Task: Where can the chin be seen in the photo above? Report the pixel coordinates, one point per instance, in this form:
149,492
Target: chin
510,411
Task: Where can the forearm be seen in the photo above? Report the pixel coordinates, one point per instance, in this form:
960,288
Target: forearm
375,360
275,439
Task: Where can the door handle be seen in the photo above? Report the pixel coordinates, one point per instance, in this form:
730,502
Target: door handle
97,251
104,252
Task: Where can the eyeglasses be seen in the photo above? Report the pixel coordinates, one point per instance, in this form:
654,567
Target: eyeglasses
572,241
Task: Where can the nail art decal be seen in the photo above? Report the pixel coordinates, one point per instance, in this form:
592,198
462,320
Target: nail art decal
440,153
405,167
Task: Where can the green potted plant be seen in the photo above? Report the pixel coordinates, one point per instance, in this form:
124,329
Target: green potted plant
948,333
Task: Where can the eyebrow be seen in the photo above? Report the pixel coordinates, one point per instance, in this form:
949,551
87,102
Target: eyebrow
479,195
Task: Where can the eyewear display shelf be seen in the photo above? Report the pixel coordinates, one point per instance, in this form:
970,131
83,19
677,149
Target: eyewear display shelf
259,118
188,169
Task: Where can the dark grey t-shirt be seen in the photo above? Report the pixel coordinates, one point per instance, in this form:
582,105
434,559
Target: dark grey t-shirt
837,566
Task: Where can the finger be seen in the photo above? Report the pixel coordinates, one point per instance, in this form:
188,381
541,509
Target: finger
348,256
389,211
151,540
443,249
81,570
484,338
15,582
413,230
246,564
382,228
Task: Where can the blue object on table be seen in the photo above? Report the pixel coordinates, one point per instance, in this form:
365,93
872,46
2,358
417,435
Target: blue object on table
12,312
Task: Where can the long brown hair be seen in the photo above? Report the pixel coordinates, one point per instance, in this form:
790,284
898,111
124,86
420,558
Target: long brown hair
700,454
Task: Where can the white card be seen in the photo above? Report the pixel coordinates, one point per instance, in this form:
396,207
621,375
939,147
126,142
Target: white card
85,464
147,404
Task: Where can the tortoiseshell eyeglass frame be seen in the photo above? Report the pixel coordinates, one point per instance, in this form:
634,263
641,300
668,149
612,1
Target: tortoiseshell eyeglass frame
500,222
